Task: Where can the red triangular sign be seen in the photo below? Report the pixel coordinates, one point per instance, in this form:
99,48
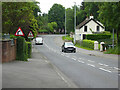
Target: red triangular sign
19,32
30,34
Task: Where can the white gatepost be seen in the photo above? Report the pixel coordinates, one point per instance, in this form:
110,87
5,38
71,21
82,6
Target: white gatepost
101,46
96,45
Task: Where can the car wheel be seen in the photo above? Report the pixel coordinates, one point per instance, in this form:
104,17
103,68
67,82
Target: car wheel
74,51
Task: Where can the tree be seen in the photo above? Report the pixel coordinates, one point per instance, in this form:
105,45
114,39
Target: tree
15,14
69,20
52,26
57,14
109,14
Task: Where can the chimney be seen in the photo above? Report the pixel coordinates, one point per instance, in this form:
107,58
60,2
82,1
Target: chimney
91,16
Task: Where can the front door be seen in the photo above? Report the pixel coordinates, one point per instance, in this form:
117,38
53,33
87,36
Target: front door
84,36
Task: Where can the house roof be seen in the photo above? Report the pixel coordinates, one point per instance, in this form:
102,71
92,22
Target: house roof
87,21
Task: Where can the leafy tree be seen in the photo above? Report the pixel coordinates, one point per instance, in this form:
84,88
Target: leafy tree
52,26
109,14
69,20
57,14
15,14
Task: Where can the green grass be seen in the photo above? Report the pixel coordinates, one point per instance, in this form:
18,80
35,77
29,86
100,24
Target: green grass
116,50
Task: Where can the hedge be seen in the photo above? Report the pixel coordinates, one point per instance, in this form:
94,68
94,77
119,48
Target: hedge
88,44
29,49
21,49
98,36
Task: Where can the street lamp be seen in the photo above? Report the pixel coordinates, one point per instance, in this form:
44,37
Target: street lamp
75,22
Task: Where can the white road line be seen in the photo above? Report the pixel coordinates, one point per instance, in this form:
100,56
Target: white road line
91,65
91,61
81,61
100,63
105,65
105,70
74,59
116,68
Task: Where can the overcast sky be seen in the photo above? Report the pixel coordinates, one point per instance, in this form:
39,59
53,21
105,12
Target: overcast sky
45,5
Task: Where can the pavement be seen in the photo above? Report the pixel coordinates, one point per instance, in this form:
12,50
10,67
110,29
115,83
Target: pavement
37,72
59,41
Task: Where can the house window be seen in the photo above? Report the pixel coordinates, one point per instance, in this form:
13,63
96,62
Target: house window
85,29
98,28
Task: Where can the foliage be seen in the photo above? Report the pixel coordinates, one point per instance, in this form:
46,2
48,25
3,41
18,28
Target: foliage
15,14
12,36
98,36
116,50
109,14
67,38
69,20
57,14
21,49
87,44
52,26
42,31
29,52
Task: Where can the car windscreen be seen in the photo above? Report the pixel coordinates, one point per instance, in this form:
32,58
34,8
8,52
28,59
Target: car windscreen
69,44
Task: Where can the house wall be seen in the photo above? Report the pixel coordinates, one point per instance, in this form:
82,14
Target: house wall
91,25
8,50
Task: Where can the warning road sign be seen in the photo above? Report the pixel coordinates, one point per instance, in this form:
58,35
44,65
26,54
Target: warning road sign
19,32
30,34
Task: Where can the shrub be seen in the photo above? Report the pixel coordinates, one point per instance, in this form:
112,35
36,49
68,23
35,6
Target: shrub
21,49
116,50
98,36
68,38
29,49
43,31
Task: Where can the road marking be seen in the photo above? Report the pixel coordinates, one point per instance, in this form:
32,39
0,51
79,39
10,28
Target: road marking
100,63
74,59
105,70
81,61
91,65
91,61
116,68
105,64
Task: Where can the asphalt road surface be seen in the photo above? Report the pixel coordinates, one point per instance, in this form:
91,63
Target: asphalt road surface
83,70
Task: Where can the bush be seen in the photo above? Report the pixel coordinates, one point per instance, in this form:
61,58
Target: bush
29,45
21,49
88,43
98,36
68,38
43,31
116,50
12,36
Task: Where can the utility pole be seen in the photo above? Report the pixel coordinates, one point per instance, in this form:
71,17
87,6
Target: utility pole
65,22
113,39
75,22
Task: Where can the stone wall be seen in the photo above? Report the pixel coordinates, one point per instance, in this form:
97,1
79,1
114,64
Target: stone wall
8,50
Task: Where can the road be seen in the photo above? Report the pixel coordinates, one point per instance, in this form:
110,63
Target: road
83,70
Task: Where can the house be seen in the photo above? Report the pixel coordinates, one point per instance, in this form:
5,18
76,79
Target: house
88,26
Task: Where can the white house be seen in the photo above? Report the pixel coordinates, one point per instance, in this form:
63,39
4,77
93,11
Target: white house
88,26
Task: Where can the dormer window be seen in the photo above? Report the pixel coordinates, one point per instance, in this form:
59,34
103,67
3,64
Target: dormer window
85,29
98,28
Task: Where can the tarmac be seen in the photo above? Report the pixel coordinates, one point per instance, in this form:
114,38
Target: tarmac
37,72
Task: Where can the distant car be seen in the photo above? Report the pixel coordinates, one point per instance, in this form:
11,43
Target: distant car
39,40
68,46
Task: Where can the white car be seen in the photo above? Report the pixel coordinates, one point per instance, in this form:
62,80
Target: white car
39,40
68,46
